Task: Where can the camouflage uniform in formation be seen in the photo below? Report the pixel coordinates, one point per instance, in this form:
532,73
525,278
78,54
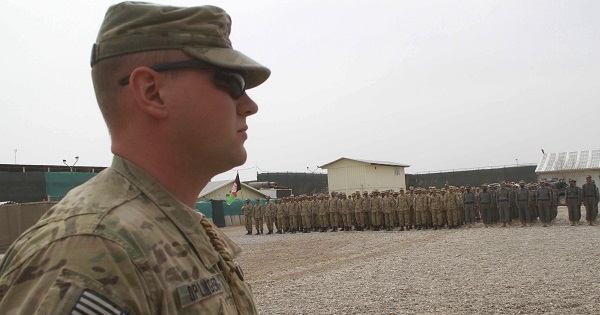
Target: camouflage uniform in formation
270,214
376,211
544,197
333,210
280,216
503,201
122,240
247,208
590,200
403,211
523,204
436,203
258,212
420,209
366,210
453,202
485,201
574,198
387,203
468,201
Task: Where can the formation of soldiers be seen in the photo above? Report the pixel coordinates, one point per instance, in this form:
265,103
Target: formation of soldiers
418,208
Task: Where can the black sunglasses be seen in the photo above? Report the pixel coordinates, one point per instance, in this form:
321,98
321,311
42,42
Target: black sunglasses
228,80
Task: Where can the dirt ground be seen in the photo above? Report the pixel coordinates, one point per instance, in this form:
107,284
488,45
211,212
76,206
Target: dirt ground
513,270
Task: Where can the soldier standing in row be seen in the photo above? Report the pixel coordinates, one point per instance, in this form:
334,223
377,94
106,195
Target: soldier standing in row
333,209
574,198
247,209
358,213
292,213
257,210
420,205
280,216
502,199
590,200
366,209
376,210
544,197
268,214
403,211
453,202
485,200
522,197
468,201
323,213
436,204
533,208
387,203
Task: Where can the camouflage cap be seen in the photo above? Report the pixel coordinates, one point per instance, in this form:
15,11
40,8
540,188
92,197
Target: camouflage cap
202,32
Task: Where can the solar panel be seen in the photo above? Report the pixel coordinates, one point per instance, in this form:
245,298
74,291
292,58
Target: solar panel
595,163
583,160
571,160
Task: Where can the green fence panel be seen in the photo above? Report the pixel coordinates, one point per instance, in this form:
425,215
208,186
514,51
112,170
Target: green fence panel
205,208
235,208
58,184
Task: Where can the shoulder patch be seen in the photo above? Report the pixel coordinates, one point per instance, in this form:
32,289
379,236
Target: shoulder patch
92,302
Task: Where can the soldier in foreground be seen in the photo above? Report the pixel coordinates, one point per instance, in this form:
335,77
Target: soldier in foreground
172,92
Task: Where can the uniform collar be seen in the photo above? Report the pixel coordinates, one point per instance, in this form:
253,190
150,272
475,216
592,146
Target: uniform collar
186,219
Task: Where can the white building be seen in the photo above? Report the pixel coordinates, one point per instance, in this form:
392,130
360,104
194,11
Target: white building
351,175
220,190
566,165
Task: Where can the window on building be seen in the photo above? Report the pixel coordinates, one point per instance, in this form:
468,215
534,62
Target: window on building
397,171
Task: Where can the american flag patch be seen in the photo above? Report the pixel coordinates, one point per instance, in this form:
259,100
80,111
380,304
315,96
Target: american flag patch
93,303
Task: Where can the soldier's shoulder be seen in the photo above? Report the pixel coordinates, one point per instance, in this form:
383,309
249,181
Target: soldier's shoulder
85,210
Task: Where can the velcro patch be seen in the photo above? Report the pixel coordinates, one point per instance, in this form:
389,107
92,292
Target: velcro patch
196,291
93,303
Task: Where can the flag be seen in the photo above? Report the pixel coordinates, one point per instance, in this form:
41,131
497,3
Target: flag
237,186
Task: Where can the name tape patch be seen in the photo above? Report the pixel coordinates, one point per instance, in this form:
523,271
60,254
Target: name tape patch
92,302
196,291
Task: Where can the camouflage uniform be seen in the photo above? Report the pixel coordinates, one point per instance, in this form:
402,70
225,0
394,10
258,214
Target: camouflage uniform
258,212
503,201
453,202
123,240
269,212
280,216
420,205
590,200
574,198
323,214
468,201
387,203
333,209
358,213
376,211
485,200
522,196
247,208
306,213
436,203
366,209
403,211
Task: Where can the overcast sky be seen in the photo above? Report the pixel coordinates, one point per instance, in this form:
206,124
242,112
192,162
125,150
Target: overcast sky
437,85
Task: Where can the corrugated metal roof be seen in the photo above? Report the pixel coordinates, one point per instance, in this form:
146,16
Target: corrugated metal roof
569,161
372,162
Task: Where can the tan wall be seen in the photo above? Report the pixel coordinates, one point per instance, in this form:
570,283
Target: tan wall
350,176
16,218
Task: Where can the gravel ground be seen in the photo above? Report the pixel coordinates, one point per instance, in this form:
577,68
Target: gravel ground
513,270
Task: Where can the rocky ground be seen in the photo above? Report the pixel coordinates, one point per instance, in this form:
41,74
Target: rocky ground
513,270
